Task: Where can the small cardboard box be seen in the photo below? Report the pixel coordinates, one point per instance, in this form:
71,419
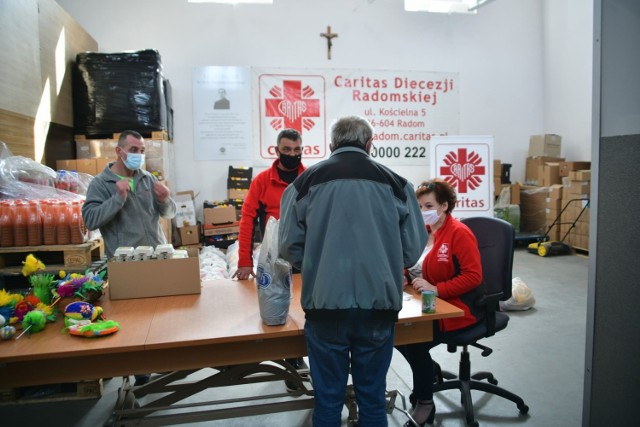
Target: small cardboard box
580,175
515,193
497,168
192,250
532,174
545,145
219,215
67,165
550,174
153,278
87,166
580,188
185,209
189,235
566,167
213,230
102,163
555,191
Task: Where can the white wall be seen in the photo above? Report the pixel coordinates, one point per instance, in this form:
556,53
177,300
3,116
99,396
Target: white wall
568,58
499,54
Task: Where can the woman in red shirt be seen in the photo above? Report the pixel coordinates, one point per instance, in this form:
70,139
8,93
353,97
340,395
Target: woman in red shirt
451,267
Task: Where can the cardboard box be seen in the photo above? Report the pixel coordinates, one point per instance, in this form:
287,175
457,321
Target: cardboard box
185,209
95,148
497,168
87,166
566,167
237,193
550,174
192,250
580,175
102,163
515,193
153,278
190,235
555,204
532,173
67,165
545,145
219,215
555,191
581,188
218,230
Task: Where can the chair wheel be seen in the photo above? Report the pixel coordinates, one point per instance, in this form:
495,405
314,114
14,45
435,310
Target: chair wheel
524,409
493,381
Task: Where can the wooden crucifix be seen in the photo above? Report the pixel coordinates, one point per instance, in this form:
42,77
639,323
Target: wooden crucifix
329,35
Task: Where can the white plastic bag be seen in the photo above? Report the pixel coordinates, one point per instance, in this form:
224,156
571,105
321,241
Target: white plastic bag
521,297
273,279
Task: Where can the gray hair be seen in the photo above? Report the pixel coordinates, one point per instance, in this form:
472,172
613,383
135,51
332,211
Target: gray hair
354,131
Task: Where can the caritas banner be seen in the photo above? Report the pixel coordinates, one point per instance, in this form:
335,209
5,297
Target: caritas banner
466,162
406,108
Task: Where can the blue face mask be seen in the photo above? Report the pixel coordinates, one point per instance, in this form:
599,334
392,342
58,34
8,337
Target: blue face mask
134,161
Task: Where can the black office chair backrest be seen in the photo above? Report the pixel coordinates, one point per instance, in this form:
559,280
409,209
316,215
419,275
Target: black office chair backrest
495,241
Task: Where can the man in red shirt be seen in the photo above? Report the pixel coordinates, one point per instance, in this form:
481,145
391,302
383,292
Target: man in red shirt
263,202
263,198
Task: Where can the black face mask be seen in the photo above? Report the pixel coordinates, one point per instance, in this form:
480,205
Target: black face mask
290,162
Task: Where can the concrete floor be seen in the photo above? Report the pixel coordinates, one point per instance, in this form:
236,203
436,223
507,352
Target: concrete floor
540,356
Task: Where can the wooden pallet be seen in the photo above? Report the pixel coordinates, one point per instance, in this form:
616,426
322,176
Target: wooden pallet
53,256
156,134
52,392
581,251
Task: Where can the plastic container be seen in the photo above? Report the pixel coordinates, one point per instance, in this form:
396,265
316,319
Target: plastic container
62,180
75,223
63,235
34,223
20,223
6,223
49,221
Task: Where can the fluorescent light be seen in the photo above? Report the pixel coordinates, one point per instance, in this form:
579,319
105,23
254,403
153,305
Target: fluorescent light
233,2
442,6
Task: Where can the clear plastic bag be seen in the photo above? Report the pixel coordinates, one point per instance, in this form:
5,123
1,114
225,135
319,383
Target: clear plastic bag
273,279
521,297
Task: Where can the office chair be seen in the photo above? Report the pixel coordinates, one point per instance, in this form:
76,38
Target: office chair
495,242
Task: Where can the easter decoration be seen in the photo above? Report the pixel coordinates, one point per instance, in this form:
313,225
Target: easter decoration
87,287
30,311
86,320
41,283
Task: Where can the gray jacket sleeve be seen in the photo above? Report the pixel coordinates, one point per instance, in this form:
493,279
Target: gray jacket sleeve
291,231
413,232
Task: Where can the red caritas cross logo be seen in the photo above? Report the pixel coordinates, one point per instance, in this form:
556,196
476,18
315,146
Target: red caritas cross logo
292,106
463,170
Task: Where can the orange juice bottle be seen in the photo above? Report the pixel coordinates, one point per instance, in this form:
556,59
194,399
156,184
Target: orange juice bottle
6,223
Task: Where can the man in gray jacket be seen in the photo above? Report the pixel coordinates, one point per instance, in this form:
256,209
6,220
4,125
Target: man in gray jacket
351,226
125,202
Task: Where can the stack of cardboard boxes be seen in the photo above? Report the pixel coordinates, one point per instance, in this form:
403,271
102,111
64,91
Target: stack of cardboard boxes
221,219
575,200
554,199
188,227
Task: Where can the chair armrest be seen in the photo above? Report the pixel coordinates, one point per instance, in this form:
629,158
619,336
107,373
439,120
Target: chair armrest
490,304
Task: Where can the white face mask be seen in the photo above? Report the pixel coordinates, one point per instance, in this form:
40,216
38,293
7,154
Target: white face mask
430,217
